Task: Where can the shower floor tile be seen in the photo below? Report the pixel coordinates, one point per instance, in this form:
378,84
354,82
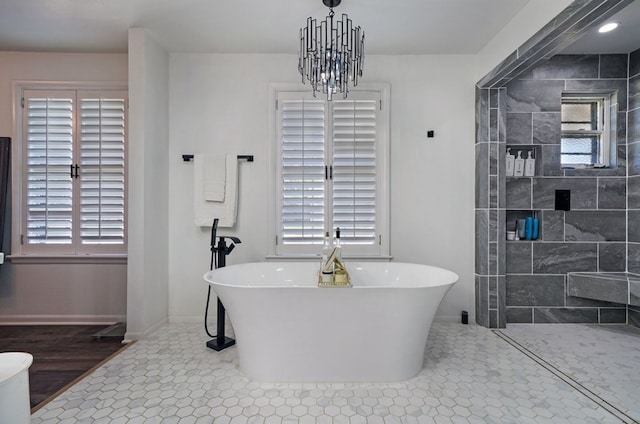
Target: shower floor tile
471,375
603,360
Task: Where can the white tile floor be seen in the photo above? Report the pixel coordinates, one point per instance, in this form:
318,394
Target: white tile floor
471,375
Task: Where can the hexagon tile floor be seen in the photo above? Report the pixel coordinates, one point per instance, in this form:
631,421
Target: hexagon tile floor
471,375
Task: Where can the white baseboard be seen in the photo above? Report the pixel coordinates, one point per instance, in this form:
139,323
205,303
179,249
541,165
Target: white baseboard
61,319
187,319
131,336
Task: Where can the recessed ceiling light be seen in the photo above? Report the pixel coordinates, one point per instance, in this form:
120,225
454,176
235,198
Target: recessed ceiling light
610,26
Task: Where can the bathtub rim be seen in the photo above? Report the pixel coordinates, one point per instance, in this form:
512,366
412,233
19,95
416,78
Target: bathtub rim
438,276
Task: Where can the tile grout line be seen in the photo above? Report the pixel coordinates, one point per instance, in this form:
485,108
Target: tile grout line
604,404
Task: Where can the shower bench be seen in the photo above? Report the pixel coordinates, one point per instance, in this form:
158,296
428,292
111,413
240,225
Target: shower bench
616,287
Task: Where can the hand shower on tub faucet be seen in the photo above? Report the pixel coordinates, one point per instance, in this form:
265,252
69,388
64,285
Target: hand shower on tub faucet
221,249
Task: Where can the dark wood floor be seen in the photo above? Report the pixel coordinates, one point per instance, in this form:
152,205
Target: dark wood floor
61,353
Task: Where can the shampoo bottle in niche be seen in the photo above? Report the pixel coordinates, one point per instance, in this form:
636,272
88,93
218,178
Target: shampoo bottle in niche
509,163
518,169
528,228
530,165
535,227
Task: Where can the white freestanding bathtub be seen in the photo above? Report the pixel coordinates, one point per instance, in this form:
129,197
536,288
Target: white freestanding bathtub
289,330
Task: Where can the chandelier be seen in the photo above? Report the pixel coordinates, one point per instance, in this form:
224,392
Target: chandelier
331,53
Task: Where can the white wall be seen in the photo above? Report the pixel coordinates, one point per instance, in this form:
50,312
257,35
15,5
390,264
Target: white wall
148,196
54,292
219,103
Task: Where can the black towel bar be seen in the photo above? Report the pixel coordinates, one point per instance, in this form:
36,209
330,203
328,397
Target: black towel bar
248,158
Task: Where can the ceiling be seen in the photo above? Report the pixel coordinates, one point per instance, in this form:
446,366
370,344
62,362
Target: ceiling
625,39
249,26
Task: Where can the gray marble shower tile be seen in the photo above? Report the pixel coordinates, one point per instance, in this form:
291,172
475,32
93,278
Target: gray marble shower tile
534,96
634,158
502,115
493,292
493,258
560,258
634,63
535,290
546,127
597,287
634,292
482,301
519,315
493,191
613,315
633,189
595,226
634,92
590,303
482,242
493,124
493,98
633,126
494,158
493,225
552,226
502,301
565,315
550,158
612,193
482,115
567,67
519,129
518,257
610,85
518,192
613,65
493,318
482,175
633,317
634,226
633,260
583,192
612,257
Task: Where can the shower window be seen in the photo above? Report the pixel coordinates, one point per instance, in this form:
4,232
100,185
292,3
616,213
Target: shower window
330,173
586,130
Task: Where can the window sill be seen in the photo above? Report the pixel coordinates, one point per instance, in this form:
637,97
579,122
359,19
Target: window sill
68,259
317,258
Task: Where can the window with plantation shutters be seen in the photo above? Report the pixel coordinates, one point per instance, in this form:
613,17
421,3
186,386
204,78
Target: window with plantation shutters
74,145
331,173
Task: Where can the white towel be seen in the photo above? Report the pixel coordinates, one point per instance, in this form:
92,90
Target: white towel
214,176
206,211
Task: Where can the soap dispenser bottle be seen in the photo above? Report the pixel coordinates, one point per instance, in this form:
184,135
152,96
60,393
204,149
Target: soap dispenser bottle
529,165
518,169
509,162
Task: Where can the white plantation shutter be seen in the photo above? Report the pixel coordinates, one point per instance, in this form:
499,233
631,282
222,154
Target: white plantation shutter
49,130
303,171
74,190
102,169
354,170
330,173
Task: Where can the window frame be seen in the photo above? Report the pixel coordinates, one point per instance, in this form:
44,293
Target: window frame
605,137
276,250
22,252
